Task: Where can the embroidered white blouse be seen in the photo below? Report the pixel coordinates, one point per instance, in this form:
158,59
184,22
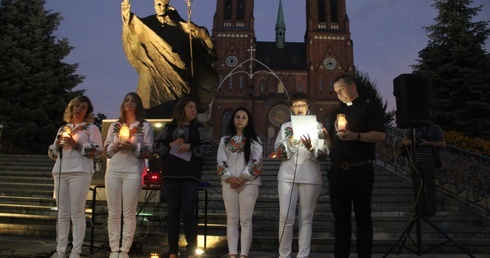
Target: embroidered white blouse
74,160
231,160
141,135
299,165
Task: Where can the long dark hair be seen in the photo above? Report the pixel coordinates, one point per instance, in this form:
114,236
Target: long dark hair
139,111
178,114
248,132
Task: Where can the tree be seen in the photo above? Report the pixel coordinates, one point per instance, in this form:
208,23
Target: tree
367,89
35,84
458,68
99,118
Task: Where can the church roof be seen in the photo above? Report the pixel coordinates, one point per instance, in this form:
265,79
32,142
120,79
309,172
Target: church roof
291,57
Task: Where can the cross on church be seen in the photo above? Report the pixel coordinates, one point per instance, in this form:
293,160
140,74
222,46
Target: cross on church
251,50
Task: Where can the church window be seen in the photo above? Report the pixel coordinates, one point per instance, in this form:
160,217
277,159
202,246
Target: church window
334,11
321,10
228,9
241,82
224,121
241,10
320,85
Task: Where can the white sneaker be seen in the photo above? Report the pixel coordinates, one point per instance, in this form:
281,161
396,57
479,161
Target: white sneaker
114,255
58,255
123,255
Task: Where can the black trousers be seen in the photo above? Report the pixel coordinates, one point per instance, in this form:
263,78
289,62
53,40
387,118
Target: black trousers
181,196
349,188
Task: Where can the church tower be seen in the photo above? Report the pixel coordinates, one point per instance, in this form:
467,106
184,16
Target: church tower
280,28
328,45
234,34
279,68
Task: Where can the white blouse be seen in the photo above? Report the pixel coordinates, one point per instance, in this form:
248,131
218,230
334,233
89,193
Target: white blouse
231,160
141,135
299,165
74,160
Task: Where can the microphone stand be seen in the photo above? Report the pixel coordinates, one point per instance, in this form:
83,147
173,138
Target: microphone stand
60,155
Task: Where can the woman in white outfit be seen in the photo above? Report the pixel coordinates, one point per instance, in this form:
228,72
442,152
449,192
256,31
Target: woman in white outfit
299,177
74,148
125,166
239,165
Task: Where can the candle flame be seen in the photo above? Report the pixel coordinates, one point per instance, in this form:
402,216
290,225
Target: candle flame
124,133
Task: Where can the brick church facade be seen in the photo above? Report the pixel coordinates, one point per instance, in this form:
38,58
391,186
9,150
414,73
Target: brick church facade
261,75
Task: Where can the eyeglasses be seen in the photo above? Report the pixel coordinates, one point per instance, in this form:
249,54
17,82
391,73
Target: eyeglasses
302,105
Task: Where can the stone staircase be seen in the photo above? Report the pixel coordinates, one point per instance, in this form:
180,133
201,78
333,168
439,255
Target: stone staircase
26,208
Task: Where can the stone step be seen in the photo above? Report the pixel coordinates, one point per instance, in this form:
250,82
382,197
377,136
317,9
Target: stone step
24,200
26,172
26,191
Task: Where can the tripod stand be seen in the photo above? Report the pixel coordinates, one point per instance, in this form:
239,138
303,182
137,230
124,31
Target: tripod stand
416,221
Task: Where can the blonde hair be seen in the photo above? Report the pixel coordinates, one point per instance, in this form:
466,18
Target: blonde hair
89,116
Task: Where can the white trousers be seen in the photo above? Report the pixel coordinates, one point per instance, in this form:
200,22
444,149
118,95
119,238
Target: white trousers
288,197
70,191
122,191
239,205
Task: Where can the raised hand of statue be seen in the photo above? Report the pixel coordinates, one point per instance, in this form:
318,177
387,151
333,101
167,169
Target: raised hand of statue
198,32
125,10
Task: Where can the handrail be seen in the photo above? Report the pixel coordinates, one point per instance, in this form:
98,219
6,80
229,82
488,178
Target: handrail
464,175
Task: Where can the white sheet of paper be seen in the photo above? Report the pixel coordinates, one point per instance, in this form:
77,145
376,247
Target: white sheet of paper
183,155
305,125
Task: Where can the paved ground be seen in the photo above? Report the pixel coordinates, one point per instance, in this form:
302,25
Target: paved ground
25,247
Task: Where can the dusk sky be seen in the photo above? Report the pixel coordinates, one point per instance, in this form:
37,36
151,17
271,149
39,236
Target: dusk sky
387,36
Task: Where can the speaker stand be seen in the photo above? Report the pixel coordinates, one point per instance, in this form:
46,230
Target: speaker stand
416,221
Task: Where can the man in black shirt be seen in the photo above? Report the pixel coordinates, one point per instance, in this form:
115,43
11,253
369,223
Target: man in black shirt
351,175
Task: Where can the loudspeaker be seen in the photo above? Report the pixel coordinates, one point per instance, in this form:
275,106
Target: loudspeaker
412,101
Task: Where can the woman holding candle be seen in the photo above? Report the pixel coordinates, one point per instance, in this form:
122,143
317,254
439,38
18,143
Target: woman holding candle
74,148
129,142
181,176
239,166
299,178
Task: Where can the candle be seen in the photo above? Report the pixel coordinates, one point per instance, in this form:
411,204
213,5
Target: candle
124,133
66,131
65,134
341,122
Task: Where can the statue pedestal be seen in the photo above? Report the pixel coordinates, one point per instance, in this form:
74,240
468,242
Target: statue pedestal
162,111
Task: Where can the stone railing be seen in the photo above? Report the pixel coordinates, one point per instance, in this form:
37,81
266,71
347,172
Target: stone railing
464,175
